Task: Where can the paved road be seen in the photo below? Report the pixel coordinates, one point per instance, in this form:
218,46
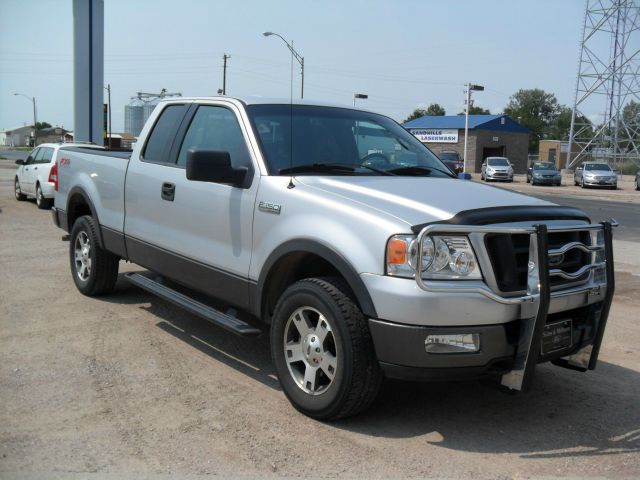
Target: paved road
13,154
627,214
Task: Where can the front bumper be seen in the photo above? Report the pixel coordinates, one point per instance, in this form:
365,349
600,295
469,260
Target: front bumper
505,177
547,180
510,328
607,182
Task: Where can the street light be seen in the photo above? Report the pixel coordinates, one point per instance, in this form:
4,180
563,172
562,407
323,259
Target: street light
35,117
294,54
361,96
470,88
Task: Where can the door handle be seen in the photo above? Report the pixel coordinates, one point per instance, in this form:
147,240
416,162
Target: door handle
168,191
35,168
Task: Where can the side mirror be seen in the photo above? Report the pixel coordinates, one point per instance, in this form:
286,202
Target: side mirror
20,162
214,166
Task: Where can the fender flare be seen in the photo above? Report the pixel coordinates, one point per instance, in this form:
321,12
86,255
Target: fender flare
338,261
80,191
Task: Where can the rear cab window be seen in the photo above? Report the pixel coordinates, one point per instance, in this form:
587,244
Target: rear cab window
163,134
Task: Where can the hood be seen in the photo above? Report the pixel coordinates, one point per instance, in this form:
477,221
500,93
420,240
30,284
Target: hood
417,200
546,172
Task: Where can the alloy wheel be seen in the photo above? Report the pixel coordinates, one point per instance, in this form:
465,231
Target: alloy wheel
82,256
310,350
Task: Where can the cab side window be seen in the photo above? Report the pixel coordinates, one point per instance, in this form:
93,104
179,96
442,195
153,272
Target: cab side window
215,128
161,138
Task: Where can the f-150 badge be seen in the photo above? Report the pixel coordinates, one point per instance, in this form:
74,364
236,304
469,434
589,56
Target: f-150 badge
269,207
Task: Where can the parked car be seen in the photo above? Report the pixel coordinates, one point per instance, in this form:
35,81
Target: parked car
355,248
496,168
36,175
451,166
595,174
544,173
453,160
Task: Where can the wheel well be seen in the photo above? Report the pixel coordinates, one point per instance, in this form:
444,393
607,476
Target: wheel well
78,206
289,269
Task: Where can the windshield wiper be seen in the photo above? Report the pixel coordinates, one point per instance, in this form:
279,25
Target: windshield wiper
411,170
418,170
332,167
318,167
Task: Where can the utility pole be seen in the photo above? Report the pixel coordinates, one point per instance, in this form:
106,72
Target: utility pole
470,87
224,73
35,117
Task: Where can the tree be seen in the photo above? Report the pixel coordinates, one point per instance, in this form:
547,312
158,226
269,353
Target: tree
41,125
436,110
475,110
433,110
417,113
559,129
535,109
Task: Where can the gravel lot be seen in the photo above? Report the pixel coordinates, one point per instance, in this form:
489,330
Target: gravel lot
128,386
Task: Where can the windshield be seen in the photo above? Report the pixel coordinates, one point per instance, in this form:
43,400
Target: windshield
498,162
544,166
338,141
449,156
597,166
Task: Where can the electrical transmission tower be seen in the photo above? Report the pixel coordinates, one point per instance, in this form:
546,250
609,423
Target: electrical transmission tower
608,83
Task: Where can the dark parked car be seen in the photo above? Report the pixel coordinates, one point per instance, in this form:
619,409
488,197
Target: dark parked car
544,173
451,158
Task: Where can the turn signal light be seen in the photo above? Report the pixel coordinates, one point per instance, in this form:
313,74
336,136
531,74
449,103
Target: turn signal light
396,251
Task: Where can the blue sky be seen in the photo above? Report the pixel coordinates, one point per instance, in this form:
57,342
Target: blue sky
403,54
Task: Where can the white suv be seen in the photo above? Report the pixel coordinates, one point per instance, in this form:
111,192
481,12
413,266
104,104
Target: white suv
36,175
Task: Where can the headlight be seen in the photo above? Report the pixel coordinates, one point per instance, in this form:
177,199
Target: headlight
489,170
443,257
537,174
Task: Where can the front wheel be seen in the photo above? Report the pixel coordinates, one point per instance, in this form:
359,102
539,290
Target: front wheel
18,191
322,350
94,270
636,184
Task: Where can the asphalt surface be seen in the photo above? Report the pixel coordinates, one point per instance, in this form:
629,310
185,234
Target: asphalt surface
626,214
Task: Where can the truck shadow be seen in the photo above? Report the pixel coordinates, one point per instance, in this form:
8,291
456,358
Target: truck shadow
249,355
566,414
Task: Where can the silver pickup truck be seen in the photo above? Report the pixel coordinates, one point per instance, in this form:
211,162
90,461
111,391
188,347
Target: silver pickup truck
339,232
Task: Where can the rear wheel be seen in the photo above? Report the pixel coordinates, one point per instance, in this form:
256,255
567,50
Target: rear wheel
636,184
41,202
94,270
322,350
18,191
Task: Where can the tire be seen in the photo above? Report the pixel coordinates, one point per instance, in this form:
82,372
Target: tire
528,180
323,307
100,271
21,197
636,184
582,185
41,202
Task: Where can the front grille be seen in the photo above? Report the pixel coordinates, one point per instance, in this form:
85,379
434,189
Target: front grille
509,256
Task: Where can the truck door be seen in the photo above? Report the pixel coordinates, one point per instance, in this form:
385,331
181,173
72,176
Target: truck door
197,233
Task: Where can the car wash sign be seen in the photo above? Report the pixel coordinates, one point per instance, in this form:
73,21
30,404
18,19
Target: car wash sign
436,135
